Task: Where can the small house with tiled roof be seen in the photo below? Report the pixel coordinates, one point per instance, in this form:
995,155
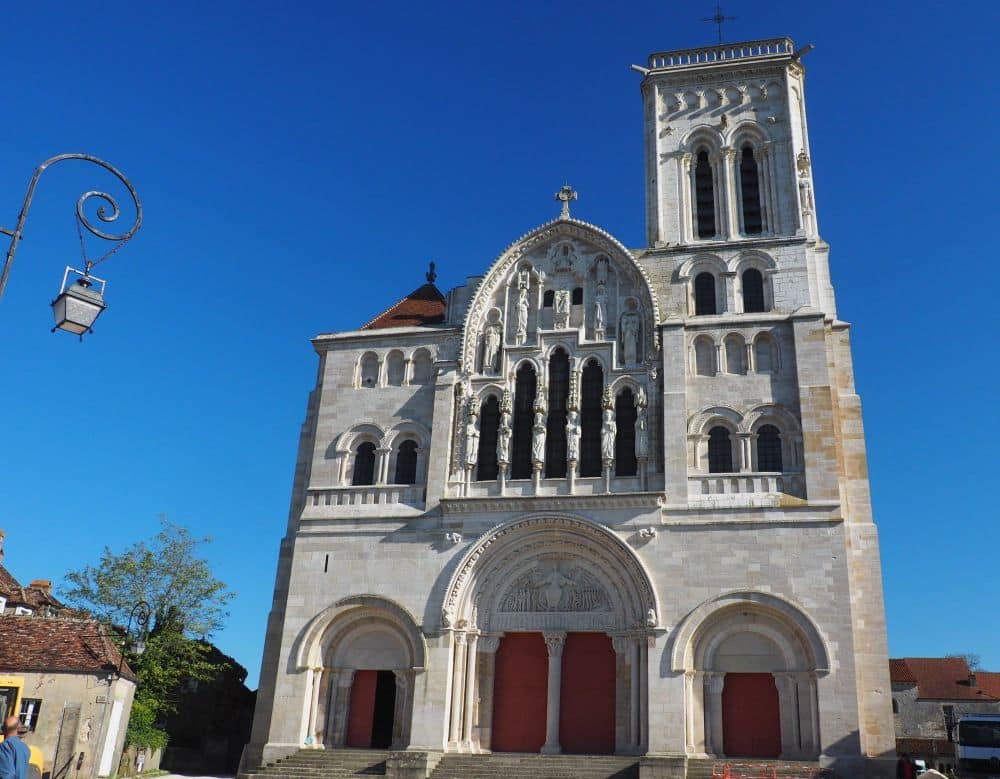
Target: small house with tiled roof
928,695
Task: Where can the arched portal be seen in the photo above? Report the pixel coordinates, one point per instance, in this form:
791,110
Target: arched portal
751,661
361,656
568,585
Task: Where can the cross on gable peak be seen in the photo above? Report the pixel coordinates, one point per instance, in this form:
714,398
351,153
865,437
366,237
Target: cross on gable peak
565,195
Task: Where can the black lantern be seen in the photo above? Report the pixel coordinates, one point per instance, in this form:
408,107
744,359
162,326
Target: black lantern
79,304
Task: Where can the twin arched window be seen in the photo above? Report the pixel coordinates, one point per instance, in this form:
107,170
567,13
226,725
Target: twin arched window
707,224
363,472
720,450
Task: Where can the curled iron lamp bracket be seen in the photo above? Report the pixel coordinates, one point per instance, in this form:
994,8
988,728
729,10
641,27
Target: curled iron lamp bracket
103,214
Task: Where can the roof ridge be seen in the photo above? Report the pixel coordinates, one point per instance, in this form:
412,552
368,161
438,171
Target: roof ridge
412,295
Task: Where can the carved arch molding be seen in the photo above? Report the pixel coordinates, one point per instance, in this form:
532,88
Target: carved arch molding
550,572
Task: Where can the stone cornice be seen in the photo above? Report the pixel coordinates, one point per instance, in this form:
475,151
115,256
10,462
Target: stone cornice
700,247
514,504
430,332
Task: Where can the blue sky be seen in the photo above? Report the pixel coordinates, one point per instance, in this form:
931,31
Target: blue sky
300,163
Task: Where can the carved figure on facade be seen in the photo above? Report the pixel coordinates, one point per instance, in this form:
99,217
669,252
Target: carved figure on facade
521,334
601,270
492,341
504,434
600,310
630,334
472,435
561,303
609,428
553,585
641,433
538,440
573,435
563,257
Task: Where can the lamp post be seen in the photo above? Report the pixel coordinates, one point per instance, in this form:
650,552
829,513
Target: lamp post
140,616
77,306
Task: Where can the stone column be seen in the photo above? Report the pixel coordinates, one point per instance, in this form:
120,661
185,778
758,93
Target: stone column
788,713
645,642
695,712
714,682
471,666
624,701
808,714
341,694
745,464
685,197
401,712
323,707
730,202
635,690
457,685
315,679
488,646
555,643
382,465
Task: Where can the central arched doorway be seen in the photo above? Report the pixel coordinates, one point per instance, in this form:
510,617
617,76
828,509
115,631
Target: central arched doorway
549,617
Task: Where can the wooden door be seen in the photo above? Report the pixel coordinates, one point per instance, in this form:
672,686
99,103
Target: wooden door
587,697
751,722
361,714
519,693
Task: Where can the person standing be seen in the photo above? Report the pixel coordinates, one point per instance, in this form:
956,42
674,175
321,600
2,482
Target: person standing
904,768
14,753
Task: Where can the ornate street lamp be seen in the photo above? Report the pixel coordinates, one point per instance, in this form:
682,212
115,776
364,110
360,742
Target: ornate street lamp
78,305
140,615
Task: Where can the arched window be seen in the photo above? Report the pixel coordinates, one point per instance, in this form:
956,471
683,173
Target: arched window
577,296
750,193
423,367
406,463
704,294
720,451
394,369
704,188
591,390
489,426
369,370
768,449
736,352
625,414
753,291
549,298
766,354
364,464
555,435
704,356
524,400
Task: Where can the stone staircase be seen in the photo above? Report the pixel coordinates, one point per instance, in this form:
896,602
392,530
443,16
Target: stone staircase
531,766
320,763
751,769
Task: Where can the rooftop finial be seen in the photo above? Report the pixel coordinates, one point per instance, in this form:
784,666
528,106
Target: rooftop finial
719,19
564,195
431,275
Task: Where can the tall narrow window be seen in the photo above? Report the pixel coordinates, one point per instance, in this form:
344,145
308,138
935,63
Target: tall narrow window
704,356
625,414
720,451
369,370
524,400
704,294
394,368
577,299
555,436
768,449
704,196
364,464
750,193
752,282
406,463
591,389
548,299
489,426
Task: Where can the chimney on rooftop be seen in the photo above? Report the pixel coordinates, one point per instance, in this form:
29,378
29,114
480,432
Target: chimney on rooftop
972,678
45,585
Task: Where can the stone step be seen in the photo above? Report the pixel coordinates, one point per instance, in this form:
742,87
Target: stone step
526,766
321,764
751,769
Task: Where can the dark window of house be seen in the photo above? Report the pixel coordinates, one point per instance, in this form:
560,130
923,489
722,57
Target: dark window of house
406,463
704,196
704,294
625,462
720,451
548,299
364,464
753,291
577,296
591,389
30,708
555,435
489,426
750,193
768,448
524,399
895,706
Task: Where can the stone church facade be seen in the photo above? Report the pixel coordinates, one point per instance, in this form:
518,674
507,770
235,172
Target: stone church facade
600,499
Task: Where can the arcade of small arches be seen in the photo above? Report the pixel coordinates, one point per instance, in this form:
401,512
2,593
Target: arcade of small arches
552,624
367,455
742,286
734,354
394,369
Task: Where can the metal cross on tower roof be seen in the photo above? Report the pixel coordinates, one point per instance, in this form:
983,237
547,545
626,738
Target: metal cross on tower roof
719,19
564,195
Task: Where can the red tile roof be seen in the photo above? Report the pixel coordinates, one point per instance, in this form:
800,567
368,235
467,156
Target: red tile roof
36,595
941,678
990,682
424,306
57,644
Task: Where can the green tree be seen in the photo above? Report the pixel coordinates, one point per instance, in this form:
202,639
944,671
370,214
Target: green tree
187,605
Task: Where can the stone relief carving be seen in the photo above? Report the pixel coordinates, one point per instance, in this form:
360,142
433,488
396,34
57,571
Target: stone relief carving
641,433
630,334
561,302
506,430
472,435
573,436
609,430
600,309
521,334
492,341
555,585
538,440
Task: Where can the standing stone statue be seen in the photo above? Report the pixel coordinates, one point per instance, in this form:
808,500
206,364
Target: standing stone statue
561,301
573,436
641,433
522,315
538,440
600,311
491,346
503,438
630,337
609,431
472,436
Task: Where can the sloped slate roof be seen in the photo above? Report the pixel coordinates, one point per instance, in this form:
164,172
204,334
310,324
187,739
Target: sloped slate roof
33,643
424,306
940,678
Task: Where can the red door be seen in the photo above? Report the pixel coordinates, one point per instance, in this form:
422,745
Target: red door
519,692
587,700
751,724
362,711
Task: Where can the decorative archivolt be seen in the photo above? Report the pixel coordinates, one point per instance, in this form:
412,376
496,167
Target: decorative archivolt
365,431
713,263
543,246
383,439
550,571
409,429
743,421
